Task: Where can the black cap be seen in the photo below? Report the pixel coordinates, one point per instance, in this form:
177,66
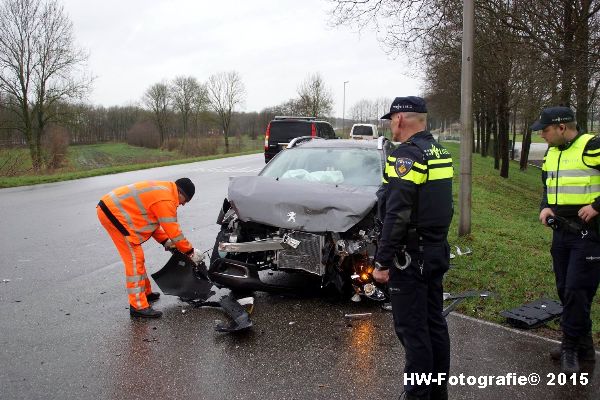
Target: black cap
187,187
406,104
553,115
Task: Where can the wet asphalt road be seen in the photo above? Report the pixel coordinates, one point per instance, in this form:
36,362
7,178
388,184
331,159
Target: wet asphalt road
65,331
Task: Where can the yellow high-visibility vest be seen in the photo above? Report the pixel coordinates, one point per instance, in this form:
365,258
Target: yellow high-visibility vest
569,181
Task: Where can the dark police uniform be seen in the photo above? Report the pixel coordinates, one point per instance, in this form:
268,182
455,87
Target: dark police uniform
571,178
415,206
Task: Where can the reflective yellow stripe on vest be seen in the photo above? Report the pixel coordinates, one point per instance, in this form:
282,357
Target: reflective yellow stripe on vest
413,175
569,181
440,169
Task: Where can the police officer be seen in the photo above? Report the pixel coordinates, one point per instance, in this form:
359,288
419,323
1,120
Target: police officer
415,206
571,178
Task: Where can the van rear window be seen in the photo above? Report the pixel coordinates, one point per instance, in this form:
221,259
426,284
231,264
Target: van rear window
362,131
285,131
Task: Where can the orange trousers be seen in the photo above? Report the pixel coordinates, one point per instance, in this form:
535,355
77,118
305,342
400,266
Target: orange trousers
137,282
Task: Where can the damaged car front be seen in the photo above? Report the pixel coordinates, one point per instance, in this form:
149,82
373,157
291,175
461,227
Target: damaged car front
311,212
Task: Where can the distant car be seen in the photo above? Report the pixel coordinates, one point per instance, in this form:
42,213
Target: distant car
281,130
364,131
311,211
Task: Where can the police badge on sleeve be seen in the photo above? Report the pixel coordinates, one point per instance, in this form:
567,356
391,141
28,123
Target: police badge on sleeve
403,166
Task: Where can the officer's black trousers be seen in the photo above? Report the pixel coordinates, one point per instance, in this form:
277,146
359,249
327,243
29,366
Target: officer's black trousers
576,263
417,303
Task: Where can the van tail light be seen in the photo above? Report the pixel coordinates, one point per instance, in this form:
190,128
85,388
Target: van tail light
267,134
313,130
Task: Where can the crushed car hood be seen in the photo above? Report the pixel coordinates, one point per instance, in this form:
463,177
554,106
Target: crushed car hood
299,205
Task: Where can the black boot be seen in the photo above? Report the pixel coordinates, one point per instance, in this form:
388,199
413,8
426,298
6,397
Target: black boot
409,396
147,312
438,392
569,359
586,350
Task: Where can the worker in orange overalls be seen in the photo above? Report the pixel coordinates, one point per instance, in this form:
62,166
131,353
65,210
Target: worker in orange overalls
131,214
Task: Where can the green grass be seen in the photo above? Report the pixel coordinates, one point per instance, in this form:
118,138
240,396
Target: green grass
113,154
102,159
511,248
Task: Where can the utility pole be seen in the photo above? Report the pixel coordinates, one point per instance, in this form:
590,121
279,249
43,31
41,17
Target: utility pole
466,119
344,109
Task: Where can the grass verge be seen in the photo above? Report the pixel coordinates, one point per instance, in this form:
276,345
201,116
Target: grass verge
511,248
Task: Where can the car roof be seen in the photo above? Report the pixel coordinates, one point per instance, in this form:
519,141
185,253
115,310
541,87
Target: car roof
340,143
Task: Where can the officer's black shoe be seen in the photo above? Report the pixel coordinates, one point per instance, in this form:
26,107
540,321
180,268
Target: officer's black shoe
409,396
569,359
438,392
585,349
152,296
147,312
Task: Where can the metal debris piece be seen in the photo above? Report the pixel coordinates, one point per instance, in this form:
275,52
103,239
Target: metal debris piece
463,252
357,316
460,297
247,303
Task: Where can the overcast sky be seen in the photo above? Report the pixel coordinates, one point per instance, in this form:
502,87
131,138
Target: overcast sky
274,45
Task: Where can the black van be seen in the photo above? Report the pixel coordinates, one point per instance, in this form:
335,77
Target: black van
281,130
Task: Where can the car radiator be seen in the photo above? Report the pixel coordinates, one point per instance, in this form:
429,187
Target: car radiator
306,256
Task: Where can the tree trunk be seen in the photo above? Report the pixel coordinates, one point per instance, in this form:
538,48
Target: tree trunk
478,122
525,148
514,135
496,148
503,129
582,70
566,59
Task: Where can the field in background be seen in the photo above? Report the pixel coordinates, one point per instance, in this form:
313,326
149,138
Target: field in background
108,158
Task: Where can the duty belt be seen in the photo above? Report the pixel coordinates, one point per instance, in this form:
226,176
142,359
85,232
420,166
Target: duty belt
557,222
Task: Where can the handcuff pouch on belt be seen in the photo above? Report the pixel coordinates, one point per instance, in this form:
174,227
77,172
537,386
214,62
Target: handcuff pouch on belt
402,258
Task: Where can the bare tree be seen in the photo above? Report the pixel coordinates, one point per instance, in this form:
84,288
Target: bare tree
225,91
200,105
315,98
39,66
157,100
184,91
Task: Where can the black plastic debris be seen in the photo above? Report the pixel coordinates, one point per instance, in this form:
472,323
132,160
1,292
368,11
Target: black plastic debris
180,277
534,314
240,319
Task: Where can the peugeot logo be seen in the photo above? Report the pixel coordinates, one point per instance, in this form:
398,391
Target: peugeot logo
291,216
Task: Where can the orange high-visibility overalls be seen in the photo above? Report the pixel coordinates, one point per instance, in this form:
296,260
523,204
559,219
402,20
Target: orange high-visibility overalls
131,214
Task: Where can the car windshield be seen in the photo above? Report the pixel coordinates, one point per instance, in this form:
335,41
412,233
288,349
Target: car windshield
338,166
